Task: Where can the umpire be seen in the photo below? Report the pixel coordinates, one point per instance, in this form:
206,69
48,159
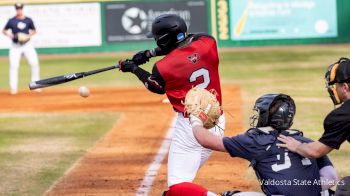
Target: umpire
337,122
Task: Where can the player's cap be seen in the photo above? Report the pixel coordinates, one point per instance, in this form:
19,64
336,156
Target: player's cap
19,6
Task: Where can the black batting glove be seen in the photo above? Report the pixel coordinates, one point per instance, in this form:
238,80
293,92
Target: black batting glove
127,66
141,57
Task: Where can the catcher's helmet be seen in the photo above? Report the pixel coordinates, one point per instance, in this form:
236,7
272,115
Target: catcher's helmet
275,110
168,30
338,72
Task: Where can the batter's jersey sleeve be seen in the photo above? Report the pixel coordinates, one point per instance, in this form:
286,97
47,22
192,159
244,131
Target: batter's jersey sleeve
153,82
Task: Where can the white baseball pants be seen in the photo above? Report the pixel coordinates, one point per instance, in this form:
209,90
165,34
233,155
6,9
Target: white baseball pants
186,155
15,54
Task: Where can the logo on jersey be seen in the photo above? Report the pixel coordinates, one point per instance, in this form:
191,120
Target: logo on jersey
193,58
134,20
21,25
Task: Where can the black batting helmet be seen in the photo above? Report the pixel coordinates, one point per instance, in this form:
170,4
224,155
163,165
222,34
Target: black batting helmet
168,30
275,110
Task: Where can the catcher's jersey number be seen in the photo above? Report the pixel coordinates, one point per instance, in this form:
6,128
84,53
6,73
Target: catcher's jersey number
287,163
202,72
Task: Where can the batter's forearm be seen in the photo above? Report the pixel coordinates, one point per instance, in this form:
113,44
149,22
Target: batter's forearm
150,84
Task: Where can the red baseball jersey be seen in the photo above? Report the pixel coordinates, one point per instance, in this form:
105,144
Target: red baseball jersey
196,64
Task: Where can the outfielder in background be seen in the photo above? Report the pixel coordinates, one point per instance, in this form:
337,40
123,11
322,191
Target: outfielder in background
20,29
190,60
279,171
337,122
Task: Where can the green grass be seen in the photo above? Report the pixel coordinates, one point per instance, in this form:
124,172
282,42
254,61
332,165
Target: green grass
36,149
297,71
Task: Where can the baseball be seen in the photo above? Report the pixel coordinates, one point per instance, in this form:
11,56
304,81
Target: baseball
84,91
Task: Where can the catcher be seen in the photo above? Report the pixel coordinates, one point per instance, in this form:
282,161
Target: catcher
20,29
280,172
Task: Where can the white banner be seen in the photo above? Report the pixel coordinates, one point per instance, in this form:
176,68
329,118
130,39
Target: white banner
59,25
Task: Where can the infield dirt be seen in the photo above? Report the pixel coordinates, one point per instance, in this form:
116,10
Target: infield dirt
117,163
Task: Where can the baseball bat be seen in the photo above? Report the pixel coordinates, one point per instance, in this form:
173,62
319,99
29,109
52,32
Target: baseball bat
67,78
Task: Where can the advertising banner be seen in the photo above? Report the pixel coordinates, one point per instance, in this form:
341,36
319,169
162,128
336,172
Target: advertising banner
59,25
130,21
282,19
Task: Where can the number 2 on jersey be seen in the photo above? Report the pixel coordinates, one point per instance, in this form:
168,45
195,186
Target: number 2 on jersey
202,72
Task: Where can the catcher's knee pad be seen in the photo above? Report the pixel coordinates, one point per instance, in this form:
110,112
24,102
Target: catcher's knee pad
186,189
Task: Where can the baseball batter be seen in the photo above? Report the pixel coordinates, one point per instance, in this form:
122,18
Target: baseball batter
20,29
190,60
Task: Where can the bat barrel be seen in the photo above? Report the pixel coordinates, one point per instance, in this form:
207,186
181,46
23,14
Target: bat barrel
66,78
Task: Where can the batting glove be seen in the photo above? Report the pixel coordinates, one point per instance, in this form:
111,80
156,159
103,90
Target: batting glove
141,57
127,66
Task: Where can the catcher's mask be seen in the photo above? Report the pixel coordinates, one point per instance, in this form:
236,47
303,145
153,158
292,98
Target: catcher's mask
168,30
275,110
338,72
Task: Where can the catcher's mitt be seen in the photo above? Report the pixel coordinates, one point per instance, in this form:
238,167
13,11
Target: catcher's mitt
23,38
203,104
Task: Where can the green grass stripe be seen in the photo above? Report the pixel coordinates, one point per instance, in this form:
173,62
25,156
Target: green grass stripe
36,149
